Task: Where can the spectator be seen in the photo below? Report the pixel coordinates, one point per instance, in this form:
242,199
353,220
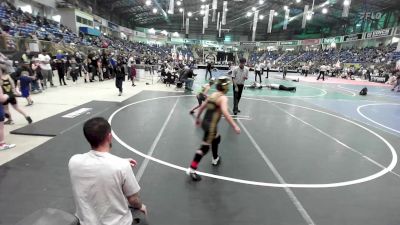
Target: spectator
45,68
104,186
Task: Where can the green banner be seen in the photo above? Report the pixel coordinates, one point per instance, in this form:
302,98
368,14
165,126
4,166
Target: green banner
288,43
331,40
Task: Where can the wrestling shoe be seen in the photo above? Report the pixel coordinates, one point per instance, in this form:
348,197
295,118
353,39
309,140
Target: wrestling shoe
9,122
191,112
5,146
216,162
29,119
193,175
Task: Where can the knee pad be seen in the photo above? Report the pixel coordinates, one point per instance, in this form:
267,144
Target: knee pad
204,149
216,140
6,115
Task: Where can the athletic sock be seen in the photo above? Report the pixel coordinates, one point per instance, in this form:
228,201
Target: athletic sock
214,146
196,160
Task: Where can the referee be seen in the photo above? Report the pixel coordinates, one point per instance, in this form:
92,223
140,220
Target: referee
239,75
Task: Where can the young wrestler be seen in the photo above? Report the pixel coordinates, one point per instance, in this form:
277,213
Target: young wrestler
7,84
216,105
202,95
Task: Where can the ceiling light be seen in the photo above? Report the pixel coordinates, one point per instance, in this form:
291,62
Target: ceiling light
298,1
203,0
202,6
309,16
346,3
226,10
261,17
253,8
285,7
178,3
155,10
170,12
324,10
148,2
202,12
190,14
261,2
180,9
276,14
248,14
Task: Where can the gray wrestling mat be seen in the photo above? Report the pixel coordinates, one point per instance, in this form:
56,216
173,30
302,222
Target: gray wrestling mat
62,122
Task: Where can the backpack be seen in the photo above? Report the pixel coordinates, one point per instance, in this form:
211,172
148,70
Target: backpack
364,91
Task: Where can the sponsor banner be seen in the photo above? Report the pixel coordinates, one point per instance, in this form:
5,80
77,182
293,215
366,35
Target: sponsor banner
328,41
311,42
209,43
97,19
268,43
248,43
113,26
370,15
126,30
288,43
177,40
379,33
191,41
352,37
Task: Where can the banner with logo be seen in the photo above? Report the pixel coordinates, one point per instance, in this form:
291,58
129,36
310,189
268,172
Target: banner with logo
370,15
126,30
288,43
352,37
331,40
268,43
248,43
379,33
311,42
191,41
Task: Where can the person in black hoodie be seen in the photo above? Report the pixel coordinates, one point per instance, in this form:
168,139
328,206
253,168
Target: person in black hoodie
208,70
119,76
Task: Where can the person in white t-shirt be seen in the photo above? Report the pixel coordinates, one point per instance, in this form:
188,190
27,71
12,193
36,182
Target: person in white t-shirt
105,189
131,61
322,71
45,68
